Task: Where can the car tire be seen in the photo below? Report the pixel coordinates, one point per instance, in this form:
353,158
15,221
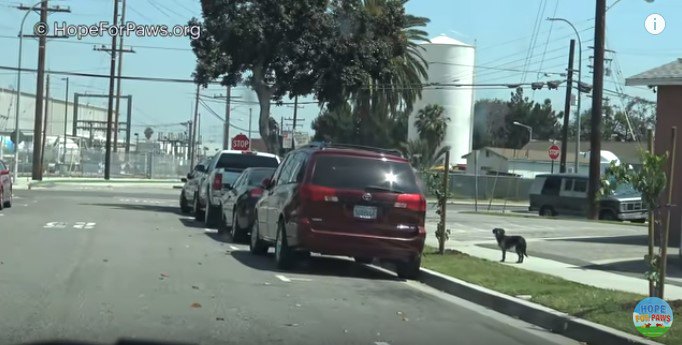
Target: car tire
256,245
284,256
236,232
222,225
198,215
211,215
547,211
363,260
409,269
2,198
184,205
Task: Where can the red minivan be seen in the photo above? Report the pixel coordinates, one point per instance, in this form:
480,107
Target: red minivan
344,200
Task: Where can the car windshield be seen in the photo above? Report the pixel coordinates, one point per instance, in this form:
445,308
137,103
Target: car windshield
348,172
243,161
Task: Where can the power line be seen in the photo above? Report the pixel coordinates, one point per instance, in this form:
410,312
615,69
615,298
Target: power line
100,43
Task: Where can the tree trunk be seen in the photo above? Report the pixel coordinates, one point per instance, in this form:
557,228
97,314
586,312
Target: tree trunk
264,94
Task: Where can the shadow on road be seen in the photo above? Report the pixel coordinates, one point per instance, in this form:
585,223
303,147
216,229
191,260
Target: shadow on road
315,265
639,266
149,208
636,240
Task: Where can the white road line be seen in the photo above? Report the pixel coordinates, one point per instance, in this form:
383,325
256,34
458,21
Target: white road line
234,248
301,279
210,231
283,278
381,343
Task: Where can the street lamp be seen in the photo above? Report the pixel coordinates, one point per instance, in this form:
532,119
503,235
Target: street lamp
529,128
580,64
66,114
18,101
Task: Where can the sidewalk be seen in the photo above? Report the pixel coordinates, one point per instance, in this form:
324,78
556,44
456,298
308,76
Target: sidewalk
596,278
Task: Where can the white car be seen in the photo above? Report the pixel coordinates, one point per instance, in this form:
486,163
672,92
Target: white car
223,169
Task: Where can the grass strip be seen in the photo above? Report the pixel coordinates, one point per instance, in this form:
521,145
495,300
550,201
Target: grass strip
610,308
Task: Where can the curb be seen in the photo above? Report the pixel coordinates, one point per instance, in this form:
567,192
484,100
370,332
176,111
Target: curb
550,319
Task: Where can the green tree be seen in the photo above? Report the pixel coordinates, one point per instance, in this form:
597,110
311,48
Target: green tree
540,116
148,132
431,123
489,115
640,114
421,156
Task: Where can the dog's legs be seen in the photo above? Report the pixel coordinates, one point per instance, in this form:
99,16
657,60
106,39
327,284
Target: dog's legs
504,255
520,254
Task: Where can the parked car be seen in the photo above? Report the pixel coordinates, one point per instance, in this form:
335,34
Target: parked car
342,200
5,185
555,194
191,186
223,169
239,200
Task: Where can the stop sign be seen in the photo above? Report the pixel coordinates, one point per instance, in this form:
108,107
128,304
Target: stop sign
241,142
554,152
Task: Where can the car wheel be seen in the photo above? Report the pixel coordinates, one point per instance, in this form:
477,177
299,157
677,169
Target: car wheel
409,269
236,232
547,211
284,256
222,225
363,260
8,204
256,245
184,205
2,199
198,215
607,215
211,215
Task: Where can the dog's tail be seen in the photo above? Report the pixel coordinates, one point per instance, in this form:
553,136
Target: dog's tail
526,254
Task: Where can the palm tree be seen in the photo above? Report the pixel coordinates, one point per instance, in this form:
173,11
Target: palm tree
421,156
400,85
431,124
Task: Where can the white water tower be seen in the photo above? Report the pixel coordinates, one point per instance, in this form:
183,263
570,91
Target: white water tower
450,62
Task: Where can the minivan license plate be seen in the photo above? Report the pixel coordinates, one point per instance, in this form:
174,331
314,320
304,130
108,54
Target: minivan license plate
365,212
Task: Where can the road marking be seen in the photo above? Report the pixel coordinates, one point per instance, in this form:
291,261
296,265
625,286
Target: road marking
381,343
84,225
54,225
2,214
234,248
210,231
301,279
283,278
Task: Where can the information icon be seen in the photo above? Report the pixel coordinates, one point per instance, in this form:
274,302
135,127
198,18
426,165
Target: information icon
654,24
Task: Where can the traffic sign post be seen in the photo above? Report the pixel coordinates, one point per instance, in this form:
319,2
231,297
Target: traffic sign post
554,152
241,142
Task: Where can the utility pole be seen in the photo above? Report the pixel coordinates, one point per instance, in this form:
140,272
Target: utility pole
193,129
597,94
118,82
293,131
250,115
40,80
47,108
226,134
567,109
110,105
66,115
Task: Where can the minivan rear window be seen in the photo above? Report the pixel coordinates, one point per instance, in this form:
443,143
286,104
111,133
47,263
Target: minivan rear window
344,172
240,162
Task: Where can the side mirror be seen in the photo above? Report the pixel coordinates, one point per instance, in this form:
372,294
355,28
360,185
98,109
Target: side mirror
184,179
227,187
267,183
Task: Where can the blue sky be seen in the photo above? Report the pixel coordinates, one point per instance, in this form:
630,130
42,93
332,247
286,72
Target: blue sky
502,30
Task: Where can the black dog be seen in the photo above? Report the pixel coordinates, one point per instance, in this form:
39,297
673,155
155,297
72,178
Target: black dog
516,243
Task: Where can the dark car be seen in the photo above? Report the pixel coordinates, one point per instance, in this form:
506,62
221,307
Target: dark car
342,200
189,189
239,201
5,186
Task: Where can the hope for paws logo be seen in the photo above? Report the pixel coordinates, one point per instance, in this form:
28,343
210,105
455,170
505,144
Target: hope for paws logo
652,317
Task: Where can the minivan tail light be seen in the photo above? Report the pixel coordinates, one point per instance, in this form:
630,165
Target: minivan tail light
318,193
413,202
218,182
256,193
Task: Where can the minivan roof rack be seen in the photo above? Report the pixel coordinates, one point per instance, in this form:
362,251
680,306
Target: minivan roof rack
368,148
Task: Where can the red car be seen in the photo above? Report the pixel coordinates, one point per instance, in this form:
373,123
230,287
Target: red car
5,186
344,200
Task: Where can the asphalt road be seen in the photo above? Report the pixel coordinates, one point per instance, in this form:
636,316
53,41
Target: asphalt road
103,265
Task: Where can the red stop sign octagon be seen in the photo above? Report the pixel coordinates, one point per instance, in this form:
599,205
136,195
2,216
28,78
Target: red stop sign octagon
554,152
241,142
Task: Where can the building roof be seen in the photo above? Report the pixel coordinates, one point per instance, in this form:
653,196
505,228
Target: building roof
528,155
627,152
668,74
443,39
